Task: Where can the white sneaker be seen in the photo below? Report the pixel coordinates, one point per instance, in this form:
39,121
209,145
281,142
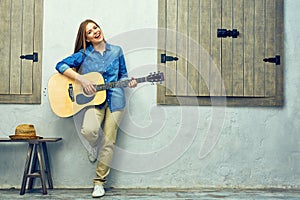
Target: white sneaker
93,154
98,191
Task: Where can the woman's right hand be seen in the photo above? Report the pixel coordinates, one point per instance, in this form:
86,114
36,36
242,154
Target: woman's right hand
88,86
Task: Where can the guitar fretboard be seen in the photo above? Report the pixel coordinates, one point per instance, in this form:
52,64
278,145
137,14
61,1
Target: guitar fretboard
118,84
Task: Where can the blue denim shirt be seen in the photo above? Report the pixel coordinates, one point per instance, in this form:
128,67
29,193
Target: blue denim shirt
111,65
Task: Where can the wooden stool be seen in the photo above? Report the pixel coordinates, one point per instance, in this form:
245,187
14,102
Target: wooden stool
37,163
35,149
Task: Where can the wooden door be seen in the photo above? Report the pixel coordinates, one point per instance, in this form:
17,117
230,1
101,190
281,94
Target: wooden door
223,66
20,34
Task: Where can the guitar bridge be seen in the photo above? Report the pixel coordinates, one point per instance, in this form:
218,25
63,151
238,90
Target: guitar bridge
71,93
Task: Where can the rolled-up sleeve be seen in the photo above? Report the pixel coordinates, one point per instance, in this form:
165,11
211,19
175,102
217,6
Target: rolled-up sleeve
73,61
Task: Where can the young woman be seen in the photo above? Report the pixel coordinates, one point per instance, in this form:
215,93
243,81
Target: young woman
93,54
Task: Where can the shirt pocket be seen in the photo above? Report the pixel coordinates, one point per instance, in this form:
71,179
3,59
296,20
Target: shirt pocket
113,68
90,64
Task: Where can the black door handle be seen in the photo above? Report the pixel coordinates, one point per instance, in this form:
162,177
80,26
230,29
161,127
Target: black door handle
223,33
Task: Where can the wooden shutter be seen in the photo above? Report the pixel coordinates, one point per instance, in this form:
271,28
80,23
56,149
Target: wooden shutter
231,67
20,34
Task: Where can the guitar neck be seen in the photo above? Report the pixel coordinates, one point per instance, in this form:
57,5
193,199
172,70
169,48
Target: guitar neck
118,84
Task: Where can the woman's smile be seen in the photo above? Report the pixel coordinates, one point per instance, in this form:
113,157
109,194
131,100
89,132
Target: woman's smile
93,33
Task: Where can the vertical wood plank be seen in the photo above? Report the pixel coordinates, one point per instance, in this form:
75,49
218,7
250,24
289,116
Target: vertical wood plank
16,45
27,46
270,68
193,50
161,89
259,66
238,49
182,47
249,47
227,49
5,46
171,67
205,47
280,50
216,65
38,47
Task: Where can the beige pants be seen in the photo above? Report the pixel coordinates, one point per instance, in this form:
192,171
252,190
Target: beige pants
91,125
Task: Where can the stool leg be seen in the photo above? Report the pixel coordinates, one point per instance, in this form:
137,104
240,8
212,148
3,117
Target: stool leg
26,169
47,164
33,168
41,166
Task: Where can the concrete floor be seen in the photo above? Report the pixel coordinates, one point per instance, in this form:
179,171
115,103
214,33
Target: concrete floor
152,194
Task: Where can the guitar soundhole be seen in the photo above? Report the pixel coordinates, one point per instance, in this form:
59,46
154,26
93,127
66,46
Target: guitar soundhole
81,99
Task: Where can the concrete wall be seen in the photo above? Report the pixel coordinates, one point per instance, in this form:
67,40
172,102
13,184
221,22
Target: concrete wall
160,146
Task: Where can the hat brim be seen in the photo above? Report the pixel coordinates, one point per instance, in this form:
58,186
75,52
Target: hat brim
18,137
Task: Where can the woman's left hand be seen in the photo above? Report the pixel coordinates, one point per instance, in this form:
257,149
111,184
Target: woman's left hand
132,83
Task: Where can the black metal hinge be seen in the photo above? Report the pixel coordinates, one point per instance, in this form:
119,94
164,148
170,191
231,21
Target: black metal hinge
275,60
34,57
165,58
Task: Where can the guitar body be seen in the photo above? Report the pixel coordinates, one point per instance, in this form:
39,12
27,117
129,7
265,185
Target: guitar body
67,98
66,95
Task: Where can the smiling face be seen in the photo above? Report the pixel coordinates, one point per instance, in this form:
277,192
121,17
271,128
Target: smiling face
93,33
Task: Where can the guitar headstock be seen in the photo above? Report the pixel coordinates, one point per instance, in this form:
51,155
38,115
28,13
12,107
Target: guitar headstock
155,77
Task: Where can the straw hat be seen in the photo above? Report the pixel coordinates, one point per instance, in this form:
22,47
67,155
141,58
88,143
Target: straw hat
24,131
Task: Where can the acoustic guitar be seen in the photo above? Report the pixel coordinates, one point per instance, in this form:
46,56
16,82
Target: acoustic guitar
67,97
